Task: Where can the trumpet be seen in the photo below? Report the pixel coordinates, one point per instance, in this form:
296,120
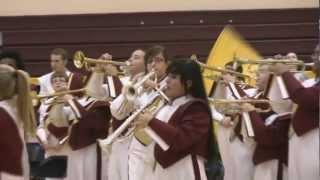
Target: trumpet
130,90
218,69
154,105
80,60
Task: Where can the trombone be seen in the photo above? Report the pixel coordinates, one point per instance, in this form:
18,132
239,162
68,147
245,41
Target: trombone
153,106
230,102
80,60
239,101
60,93
218,69
217,77
269,61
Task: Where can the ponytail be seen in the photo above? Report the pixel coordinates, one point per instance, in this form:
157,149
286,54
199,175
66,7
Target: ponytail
24,102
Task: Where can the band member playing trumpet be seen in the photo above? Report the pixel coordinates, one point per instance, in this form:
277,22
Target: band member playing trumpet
183,126
157,59
120,108
304,143
16,121
106,79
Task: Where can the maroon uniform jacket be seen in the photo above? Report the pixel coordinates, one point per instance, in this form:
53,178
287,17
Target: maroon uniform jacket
11,145
186,133
93,124
272,140
306,116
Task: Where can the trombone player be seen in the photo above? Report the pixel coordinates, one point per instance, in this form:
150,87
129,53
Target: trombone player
76,124
304,143
229,134
271,129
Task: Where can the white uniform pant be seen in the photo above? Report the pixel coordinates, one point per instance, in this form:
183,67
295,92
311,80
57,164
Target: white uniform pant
304,156
269,170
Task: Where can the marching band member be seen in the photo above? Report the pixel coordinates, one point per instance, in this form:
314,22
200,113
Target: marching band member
271,129
304,143
224,122
16,121
108,76
12,59
184,126
118,160
53,120
58,62
76,126
59,83
231,134
140,160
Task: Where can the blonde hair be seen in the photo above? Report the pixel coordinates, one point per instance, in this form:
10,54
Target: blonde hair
16,82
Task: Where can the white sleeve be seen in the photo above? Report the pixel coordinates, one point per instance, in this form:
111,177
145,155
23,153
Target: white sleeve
215,114
69,113
95,87
121,108
43,90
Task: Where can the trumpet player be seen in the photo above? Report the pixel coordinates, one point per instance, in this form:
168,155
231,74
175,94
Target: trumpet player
111,82
118,159
139,160
304,143
183,127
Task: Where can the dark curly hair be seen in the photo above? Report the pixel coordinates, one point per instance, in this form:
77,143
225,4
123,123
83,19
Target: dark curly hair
15,56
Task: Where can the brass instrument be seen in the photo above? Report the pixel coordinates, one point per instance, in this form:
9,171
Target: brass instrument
233,105
269,61
155,104
251,101
80,60
218,69
60,93
130,91
217,77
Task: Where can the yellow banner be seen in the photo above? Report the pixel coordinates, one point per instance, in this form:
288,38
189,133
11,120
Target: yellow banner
228,46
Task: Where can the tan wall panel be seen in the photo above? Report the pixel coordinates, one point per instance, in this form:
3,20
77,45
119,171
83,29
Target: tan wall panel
44,7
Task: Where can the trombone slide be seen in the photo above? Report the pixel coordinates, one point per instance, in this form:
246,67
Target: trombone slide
131,118
282,87
164,146
247,121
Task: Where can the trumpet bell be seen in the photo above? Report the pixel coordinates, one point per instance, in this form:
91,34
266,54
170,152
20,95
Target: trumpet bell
130,92
79,59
